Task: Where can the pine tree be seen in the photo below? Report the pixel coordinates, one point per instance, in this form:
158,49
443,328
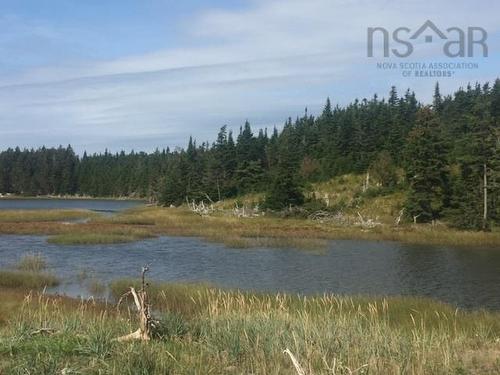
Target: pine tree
427,170
437,103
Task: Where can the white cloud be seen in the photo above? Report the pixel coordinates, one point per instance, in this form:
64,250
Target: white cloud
263,63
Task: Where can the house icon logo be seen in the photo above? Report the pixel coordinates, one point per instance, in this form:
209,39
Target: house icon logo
455,41
433,28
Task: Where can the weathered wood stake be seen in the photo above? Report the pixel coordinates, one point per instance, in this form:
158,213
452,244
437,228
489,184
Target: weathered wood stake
146,323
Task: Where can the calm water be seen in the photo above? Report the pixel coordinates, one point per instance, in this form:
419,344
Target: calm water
465,277
100,205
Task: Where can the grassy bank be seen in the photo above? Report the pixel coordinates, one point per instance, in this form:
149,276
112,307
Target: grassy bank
112,235
210,331
345,195
291,232
27,280
34,216
222,227
29,273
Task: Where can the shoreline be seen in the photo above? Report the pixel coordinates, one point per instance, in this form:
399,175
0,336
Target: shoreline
70,197
145,222
204,328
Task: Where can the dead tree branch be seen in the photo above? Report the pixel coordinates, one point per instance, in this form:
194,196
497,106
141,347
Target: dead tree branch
146,323
296,364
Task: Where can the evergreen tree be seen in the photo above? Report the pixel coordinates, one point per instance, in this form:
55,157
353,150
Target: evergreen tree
427,171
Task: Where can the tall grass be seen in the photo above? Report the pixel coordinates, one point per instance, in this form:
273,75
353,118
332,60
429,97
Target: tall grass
29,274
32,262
27,280
31,216
209,331
302,233
140,223
118,235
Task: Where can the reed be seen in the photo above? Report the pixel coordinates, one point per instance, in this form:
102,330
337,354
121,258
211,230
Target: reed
96,287
110,237
32,262
27,280
264,231
31,216
207,330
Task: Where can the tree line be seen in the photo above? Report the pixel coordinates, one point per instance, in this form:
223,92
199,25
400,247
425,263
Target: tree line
445,155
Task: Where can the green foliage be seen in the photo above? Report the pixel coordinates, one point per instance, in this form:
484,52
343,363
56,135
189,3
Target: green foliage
379,136
426,170
32,262
285,190
27,280
206,330
383,169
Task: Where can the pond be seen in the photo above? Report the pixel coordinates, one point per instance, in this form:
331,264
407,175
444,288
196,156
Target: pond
468,278
99,205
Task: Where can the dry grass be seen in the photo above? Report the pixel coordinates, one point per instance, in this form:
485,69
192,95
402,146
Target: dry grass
32,262
209,331
30,216
27,280
96,287
114,235
277,232
265,231
143,223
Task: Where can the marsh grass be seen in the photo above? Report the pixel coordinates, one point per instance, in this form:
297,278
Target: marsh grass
301,233
27,279
206,330
96,287
32,216
118,235
32,262
264,231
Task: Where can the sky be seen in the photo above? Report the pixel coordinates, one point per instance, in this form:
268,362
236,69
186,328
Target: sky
130,74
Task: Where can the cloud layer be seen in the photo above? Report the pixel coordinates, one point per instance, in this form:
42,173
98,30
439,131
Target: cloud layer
263,63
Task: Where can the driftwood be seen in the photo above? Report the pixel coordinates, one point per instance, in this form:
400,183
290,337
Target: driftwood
146,323
296,364
367,223
415,217
200,208
338,217
246,212
400,216
44,331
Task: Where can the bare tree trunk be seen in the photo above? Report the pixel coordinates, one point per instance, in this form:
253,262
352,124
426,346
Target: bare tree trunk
366,184
143,308
485,196
218,189
400,216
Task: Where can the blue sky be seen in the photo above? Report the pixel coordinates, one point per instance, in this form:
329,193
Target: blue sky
145,74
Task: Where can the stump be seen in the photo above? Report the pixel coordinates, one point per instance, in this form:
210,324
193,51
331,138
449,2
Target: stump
146,323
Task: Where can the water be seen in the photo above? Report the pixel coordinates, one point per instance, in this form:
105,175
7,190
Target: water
99,205
468,278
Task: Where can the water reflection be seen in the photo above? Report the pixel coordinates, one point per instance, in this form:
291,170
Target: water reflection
98,205
466,277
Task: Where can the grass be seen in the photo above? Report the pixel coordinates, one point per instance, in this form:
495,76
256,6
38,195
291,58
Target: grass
141,223
210,331
31,216
291,232
29,274
100,238
26,279
32,262
344,193
96,287
145,222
